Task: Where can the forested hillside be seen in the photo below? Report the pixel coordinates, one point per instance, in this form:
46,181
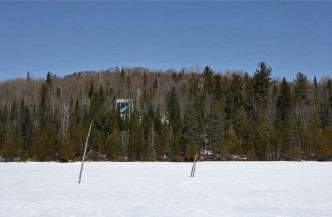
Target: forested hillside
175,115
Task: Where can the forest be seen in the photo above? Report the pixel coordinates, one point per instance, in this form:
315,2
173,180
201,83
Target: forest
175,115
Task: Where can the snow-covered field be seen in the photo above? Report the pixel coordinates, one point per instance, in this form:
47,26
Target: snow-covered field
165,189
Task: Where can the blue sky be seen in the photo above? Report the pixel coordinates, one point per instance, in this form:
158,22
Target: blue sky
66,37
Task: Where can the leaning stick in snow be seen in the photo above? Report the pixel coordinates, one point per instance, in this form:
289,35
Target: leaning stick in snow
86,145
193,169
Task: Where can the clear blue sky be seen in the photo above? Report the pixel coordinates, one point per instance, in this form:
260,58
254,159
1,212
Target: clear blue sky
67,37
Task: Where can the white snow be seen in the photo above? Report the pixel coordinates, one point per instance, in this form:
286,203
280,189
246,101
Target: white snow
165,189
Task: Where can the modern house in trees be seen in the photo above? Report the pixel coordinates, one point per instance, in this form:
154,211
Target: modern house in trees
125,106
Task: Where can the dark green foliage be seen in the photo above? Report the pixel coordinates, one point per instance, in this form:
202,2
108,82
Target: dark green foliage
243,128
113,145
208,82
175,153
325,114
234,98
249,93
152,132
152,143
163,142
12,145
264,139
44,149
173,110
217,127
78,138
136,149
175,115
284,102
189,132
96,145
262,83
329,91
323,144
43,108
67,150
232,142
301,87
27,131
217,90
301,99
96,103
14,113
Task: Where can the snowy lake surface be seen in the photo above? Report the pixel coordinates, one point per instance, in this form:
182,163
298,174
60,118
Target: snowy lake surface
165,189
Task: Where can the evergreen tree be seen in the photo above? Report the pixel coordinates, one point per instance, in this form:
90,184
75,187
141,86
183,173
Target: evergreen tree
163,148
325,110
2,131
251,155
262,83
189,132
78,138
45,147
291,148
217,90
242,128
264,145
301,86
96,145
233,144
42,110
329,91
173,110
96,103
315,93
228,109
174,147
12,146
113,146
151,141
136,149
323,144
208,82
223,150
216,129
234,98
103,120
14,113
284,102
48,137
26,131
157,120
300,95
194,86
249,93
67,150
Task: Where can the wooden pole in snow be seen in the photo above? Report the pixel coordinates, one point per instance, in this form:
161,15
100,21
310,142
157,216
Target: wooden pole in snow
86,145
193,169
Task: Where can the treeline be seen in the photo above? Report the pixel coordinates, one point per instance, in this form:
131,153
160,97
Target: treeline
175,115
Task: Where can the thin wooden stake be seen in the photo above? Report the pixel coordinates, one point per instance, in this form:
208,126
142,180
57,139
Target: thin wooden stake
193,169
86,145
